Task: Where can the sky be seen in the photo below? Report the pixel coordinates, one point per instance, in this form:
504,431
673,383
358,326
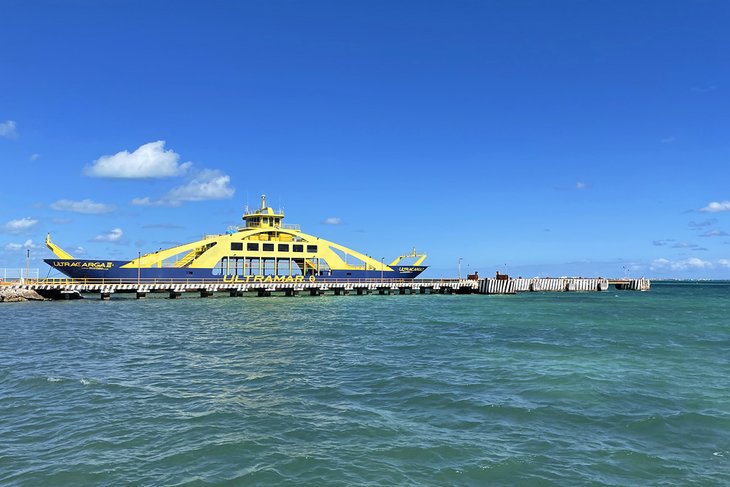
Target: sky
582,138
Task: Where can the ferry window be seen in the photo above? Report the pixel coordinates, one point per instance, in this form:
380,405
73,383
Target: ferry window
252,246
283,247
311,248
268,247
298,248
236,245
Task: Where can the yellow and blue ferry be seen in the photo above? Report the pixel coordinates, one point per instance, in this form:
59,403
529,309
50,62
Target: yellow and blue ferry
264,249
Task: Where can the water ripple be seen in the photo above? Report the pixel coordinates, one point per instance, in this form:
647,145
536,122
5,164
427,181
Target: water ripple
571,389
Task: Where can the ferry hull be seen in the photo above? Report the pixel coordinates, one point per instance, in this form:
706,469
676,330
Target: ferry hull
113,270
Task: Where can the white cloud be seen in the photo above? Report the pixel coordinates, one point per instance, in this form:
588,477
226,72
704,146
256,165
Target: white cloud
668,140
34,157
724,263
84,206
8,130
704,88
113,236
693,263
147,201
28,244
15,226
716,206
684,245
704,223
207,185
714,233
687,245
580,185
150,160
333,220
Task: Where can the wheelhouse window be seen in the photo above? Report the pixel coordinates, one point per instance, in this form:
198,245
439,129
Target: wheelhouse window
283,247
236,245
252,246
298,248
268,247
311,248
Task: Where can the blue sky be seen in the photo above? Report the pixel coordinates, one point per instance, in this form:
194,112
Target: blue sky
530,137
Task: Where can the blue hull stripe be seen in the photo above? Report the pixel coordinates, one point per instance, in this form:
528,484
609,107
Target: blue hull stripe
112,270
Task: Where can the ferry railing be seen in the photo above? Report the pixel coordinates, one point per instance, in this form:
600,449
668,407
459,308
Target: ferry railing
282,226
262,281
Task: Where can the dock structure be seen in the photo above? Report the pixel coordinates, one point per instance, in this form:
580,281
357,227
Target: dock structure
71,289
561,284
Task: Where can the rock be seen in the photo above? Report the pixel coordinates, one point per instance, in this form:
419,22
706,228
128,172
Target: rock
12,294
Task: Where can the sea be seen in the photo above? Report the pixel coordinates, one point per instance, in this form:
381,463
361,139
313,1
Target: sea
618,388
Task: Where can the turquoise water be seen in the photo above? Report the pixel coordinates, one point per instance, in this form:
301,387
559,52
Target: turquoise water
616,388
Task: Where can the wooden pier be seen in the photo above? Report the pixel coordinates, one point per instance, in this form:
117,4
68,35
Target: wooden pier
71,289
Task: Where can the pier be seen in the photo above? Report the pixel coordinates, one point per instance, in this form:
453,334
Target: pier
561,284
70,289
105,289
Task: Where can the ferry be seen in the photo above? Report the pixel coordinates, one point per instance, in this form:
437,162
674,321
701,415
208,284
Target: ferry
262,250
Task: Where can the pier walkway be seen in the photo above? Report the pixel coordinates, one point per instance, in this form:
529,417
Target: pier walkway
70,289
560,284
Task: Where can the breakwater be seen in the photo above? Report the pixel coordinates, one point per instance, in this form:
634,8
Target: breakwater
9,294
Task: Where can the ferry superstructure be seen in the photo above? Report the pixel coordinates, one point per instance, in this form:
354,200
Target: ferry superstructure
264,249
